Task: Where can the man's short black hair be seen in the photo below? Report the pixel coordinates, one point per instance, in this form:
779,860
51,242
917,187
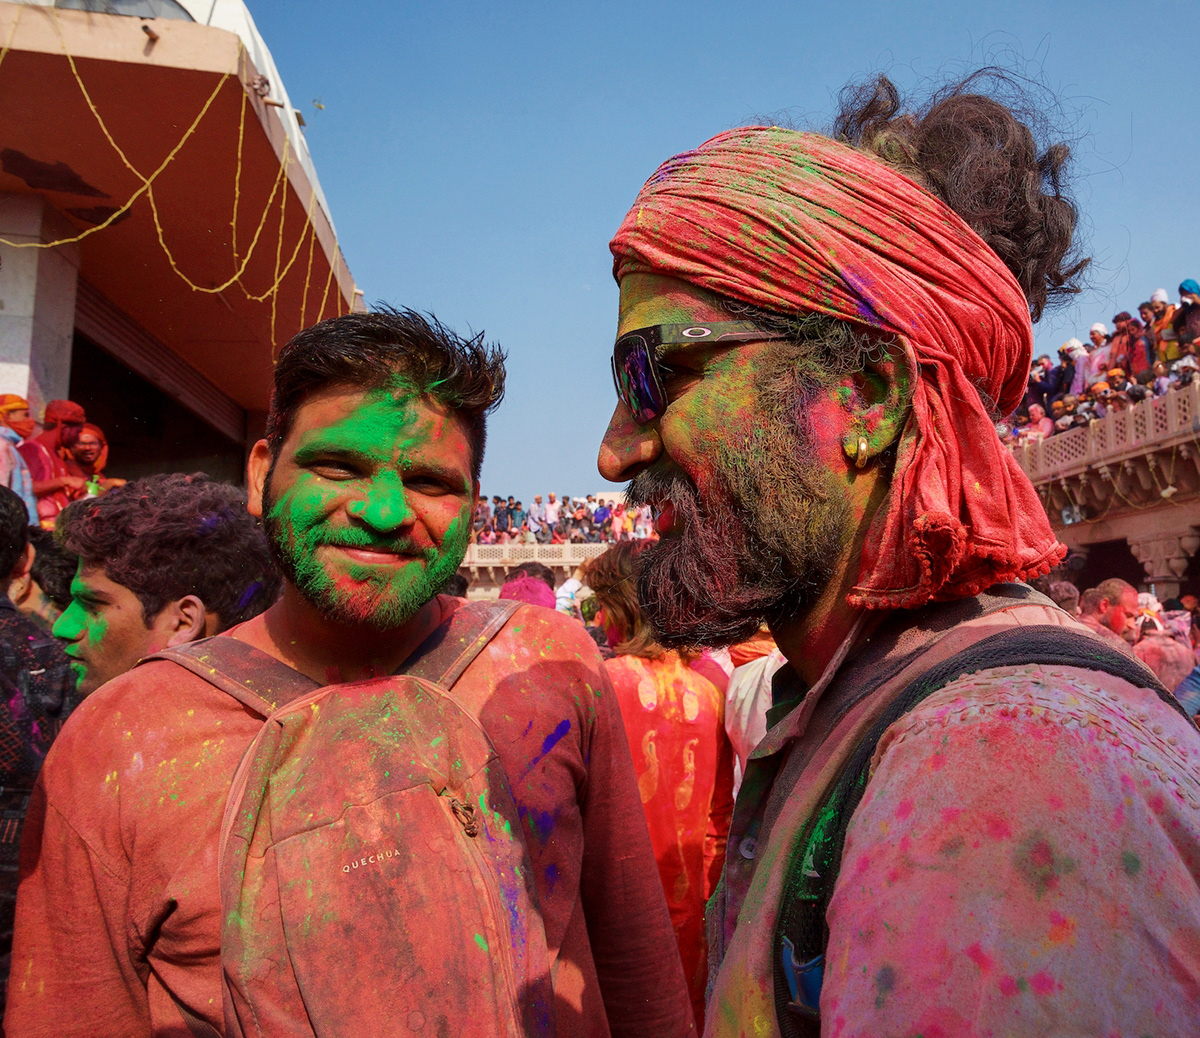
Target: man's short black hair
164,537
367,351
14,519
53,566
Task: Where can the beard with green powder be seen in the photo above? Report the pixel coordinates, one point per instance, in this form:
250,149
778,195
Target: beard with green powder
380,597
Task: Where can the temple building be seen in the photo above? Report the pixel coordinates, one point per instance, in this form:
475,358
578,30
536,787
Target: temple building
162,228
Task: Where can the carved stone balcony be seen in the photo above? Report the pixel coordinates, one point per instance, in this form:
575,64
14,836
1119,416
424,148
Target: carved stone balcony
486,565
1132,475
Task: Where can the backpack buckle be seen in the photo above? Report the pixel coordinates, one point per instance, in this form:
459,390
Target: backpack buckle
804,981
465,813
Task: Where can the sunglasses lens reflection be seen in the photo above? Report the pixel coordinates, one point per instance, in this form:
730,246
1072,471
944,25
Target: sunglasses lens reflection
637,380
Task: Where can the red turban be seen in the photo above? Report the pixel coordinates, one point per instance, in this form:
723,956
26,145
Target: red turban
797,222
58,411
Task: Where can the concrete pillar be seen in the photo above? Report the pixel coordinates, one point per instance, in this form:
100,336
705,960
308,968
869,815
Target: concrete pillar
1164,556
37,301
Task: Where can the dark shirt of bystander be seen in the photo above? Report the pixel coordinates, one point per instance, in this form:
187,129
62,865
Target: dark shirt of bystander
37,690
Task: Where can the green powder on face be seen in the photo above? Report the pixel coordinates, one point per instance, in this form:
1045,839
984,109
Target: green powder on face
384,431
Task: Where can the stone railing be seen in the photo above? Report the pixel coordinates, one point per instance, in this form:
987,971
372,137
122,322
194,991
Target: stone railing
553,555
486,565
1131,441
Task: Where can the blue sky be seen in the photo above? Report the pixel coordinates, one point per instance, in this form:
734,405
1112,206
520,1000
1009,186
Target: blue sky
478,157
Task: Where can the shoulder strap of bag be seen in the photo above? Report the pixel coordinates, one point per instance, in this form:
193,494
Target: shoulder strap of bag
254,678
801,934
264,684
453,647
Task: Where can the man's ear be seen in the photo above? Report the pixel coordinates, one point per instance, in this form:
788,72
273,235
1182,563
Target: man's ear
185,620
20,581
879,401
257,467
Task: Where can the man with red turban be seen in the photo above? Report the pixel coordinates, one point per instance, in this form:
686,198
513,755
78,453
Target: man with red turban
45,455
968,815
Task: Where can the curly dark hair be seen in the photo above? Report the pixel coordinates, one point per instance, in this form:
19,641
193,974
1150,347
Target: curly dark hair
368,350
53,566
167,536
981,158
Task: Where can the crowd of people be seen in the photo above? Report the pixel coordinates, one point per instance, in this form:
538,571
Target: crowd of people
1140,357
561,520
50,468
820,758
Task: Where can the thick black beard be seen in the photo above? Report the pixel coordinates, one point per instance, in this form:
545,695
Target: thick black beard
760,548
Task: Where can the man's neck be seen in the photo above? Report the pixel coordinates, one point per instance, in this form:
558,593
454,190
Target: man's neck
295,633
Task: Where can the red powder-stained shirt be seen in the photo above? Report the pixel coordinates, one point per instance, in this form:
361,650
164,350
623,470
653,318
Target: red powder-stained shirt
1025,861
675,720
119,908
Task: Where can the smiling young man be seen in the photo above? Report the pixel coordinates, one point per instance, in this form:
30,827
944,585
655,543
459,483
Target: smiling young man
365,484
969,816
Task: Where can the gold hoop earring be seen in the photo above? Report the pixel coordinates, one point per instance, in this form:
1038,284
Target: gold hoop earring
860,458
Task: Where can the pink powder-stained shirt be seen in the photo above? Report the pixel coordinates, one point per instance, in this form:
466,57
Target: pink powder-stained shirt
1025,861
674,720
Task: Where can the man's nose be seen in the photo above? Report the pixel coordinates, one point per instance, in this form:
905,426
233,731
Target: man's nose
385,508
627,447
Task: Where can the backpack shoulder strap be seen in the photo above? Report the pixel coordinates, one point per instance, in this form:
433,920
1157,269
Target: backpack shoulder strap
816,859
254,678
453,647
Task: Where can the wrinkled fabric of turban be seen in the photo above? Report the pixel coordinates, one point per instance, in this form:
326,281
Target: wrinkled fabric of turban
12,402
795,221
58,411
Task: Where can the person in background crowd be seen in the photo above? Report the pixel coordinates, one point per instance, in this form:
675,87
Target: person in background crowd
456,586
1121,344
537,511
530,582
1065,595
53,483
365,484
163,561
517,516
36,696
600,517
1058,379
15,427
1164,641
1162,314
501,518
553,511
675,720
89,457
43,589
1109,608
1039,424
1098,354
1185,324
1162,378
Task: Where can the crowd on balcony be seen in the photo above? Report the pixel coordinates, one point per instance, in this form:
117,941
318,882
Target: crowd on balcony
561,520
1140,357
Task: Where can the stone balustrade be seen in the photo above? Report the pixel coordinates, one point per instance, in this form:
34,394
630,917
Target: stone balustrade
486,565
1133,475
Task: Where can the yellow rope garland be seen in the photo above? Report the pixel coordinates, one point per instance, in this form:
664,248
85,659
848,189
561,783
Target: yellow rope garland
147,188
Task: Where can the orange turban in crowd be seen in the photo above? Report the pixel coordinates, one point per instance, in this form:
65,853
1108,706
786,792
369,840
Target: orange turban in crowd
12,402
798,222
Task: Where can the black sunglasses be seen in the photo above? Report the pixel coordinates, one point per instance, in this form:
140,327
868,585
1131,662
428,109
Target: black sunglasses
637,372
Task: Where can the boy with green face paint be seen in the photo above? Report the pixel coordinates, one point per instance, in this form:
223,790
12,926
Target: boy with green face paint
365,483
